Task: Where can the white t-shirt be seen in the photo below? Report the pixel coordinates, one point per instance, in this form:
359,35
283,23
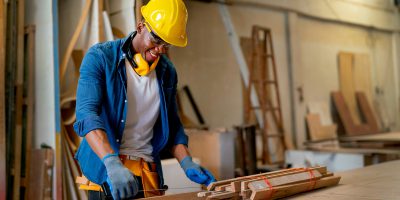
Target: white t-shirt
143,101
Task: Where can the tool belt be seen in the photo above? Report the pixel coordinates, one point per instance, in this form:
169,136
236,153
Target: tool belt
139,167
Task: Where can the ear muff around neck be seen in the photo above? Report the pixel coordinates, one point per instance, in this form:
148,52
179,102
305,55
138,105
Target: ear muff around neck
142,67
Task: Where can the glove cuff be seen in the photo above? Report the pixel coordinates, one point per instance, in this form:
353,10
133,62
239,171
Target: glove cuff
111,159
185,162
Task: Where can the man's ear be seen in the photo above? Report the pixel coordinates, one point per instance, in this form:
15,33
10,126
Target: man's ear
139,27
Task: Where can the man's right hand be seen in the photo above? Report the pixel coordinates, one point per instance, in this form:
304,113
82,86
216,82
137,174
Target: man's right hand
122,182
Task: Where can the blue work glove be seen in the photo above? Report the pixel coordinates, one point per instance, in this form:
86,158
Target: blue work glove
195,172
122,182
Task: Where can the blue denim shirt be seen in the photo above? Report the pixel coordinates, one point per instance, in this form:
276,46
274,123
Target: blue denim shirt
101,103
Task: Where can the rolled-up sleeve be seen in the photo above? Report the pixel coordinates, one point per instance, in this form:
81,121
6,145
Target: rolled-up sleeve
89,93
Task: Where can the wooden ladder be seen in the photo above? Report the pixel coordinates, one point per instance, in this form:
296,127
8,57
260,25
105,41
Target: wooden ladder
263,77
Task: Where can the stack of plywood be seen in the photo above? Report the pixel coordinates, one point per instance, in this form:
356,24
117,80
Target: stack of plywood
272,185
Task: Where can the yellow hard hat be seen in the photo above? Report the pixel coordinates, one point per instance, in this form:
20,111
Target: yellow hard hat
167,18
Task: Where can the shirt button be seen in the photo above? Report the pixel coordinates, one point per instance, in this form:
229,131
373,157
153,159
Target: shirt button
123,55
117,140
126,100
122,121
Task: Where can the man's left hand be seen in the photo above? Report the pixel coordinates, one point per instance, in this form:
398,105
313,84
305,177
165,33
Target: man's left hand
195,172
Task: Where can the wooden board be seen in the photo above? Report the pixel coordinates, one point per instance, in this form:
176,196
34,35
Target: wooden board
317,130
285,191
367,112
19,101
381,137
343,110
322,109
3,177
30,96
362,75
74,39
39,186
346,62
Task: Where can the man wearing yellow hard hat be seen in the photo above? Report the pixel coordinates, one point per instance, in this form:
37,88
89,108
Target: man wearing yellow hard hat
126,108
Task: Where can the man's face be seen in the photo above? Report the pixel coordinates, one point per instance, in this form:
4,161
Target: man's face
151,46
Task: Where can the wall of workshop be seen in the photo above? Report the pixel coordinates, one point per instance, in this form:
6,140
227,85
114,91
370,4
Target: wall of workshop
39,13
320,28
209,67
319,47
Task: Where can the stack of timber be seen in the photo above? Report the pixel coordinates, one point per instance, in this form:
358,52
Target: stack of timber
271,185
389,140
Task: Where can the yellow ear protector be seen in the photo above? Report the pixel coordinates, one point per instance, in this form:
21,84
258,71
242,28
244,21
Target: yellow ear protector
138,63
142,67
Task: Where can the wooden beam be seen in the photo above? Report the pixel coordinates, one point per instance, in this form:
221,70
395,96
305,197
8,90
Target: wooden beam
30,85
3,176
19,100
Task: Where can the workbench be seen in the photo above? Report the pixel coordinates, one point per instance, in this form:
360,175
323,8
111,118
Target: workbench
379,181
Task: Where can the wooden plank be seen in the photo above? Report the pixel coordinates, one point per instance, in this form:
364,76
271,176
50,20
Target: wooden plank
362,75
40,186
285,191
74,39
317,131
322,109
117,32
367,112
285,180
19,101
277,173
30,85
3,177
346,119
73,167
346,62
381,137
77,57
101,21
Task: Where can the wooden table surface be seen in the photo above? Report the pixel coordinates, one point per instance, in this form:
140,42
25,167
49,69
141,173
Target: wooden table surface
381,181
